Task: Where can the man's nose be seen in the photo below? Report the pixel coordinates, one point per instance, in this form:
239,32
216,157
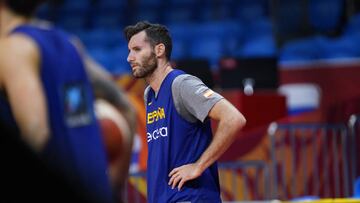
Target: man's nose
130,57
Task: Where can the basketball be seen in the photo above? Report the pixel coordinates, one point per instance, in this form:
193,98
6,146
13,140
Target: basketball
114,128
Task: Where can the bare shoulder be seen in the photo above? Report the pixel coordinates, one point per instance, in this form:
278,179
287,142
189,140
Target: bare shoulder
17,45
17,52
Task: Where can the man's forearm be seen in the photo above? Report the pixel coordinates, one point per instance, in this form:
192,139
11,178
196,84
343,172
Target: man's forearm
223,137
109,91
230,122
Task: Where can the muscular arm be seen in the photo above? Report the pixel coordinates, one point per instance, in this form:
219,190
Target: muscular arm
20,79
105,88
230,122
109,91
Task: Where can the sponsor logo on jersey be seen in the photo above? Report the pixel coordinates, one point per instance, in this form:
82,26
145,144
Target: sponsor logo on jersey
155,115
156,134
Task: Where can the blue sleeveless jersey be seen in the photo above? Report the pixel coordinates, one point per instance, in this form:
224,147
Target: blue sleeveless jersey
172,142
75,147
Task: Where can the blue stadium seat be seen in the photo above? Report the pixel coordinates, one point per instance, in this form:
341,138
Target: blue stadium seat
114,60
120,52
102,56
102,38
151,14
109,14
258,40
76,5
249,10
343,47
325,15
109,20
109,4
151,3
182,2
263,46
115,37
119,64
353,26
179,49
176,14
229,32
302,50
210,48
214,12
95,38
73,15
181,31
225,9
220,29
259,27
289,17
72,20
206,13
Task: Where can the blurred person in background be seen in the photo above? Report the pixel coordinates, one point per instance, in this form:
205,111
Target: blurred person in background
182,150
46,98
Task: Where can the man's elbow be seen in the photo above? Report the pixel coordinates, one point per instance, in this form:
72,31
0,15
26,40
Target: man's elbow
37,137
238,121
131,115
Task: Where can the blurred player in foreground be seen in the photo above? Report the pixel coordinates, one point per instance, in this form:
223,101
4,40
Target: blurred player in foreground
47,97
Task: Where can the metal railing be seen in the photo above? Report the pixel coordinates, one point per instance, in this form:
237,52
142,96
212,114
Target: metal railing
249,180
309,159
354,128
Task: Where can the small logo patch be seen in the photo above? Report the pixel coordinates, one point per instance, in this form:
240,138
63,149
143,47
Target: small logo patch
208,93
76,108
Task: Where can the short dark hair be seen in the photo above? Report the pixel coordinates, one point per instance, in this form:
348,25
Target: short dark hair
155,33
23,7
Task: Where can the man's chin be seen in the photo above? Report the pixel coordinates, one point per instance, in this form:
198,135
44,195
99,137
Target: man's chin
137,74
138,77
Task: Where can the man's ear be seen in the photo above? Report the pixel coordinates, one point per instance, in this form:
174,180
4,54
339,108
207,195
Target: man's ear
159,50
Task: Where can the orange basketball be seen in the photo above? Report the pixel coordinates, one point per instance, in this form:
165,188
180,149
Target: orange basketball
112,138
113,126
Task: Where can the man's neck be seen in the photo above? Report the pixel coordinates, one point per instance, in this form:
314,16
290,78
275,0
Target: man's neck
157,77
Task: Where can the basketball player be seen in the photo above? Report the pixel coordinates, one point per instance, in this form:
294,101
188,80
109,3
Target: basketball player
182,150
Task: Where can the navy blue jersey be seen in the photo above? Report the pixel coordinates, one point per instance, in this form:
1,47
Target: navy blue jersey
173,142
75,147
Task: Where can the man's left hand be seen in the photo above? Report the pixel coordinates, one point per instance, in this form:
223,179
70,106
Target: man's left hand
178,176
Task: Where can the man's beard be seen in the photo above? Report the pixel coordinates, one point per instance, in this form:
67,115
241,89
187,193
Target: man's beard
147,67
